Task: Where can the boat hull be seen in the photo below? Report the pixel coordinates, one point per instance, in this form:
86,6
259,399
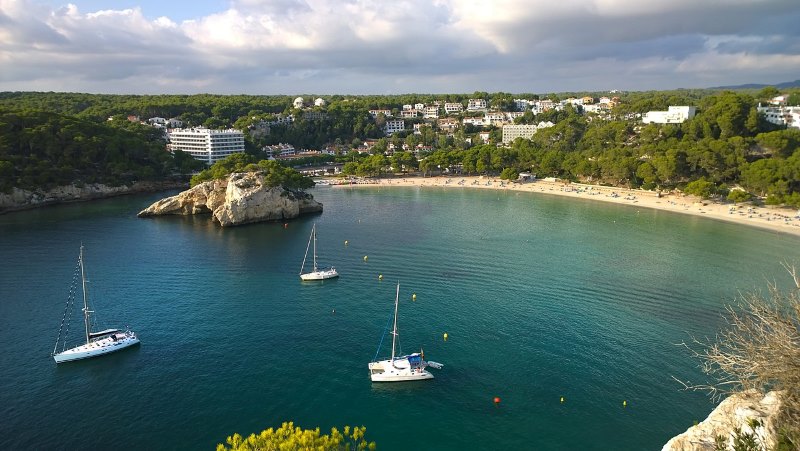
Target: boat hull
397,371
97,348
320,275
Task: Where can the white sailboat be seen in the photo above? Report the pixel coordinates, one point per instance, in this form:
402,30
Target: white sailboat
97,343
398,369
316,273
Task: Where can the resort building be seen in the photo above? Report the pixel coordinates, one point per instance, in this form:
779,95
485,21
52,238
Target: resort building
385,112
394,126
512,132
453,108
206,145
781,115
431,112
673,115
477,105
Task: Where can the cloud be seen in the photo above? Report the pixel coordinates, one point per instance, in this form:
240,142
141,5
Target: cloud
360,46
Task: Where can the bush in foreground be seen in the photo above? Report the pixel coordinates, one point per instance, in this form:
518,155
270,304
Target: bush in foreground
289,437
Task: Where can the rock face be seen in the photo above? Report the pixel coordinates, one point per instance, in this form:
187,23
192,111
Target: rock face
20,199
240,199
736,411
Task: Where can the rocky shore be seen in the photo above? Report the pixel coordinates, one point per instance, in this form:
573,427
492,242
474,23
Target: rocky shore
20,199
750,412
242,198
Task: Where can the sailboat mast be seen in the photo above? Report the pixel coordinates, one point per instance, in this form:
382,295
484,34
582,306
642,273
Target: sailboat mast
85,299
305,257
394,329
314,231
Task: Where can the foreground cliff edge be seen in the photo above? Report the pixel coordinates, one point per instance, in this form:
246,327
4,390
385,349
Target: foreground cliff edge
736,411
242,198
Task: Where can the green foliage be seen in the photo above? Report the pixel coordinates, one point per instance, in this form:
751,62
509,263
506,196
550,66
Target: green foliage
738,195
702,188
42,150
290,437
509,174
274,173
742,441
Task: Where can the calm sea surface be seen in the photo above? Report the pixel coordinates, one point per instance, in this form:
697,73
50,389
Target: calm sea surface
542,297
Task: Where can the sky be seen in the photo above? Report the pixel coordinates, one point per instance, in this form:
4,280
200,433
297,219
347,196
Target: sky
394,47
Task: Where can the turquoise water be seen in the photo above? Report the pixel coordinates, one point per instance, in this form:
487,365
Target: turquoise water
541,296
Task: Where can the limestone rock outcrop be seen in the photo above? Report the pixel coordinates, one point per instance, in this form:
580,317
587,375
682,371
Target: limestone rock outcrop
242,198
21,199
736,411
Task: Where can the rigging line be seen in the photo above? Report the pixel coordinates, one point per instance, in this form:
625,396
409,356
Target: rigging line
67,310
375,359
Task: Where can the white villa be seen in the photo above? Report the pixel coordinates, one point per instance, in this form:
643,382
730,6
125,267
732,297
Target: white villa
673,115
453,108
205,144
781,115
477,105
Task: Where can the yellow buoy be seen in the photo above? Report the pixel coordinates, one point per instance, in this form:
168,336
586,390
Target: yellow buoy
380,276
346,242
625,403
365,258
414,297
445,336
562,400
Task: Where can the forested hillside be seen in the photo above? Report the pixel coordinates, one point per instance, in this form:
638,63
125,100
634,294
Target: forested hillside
728,149
42,150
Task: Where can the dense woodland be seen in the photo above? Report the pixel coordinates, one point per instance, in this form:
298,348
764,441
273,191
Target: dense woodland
727,150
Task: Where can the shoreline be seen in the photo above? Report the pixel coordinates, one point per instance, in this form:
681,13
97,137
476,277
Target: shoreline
777,219
24,200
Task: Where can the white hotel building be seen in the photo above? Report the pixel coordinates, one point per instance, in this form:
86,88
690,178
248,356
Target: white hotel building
205,144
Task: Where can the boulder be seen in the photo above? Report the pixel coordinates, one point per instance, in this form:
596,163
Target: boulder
242,198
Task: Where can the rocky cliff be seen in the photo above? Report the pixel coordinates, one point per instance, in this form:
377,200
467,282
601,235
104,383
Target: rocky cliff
242,198
20,199
736,411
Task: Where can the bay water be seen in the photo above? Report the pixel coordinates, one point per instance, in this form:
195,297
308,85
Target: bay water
542,298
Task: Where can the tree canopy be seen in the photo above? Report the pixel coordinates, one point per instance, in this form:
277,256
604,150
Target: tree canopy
274,173
291,437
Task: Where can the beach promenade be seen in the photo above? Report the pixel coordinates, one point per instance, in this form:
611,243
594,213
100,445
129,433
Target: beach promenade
777,219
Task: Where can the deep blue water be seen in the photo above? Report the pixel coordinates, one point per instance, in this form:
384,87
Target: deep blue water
541,296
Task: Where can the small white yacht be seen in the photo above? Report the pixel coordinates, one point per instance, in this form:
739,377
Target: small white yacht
316,273
97,343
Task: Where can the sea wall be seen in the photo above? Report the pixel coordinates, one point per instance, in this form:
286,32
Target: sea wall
20,199
242,198
737,411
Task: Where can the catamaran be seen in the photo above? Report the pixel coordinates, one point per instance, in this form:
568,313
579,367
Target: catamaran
316,273
97,343
398,369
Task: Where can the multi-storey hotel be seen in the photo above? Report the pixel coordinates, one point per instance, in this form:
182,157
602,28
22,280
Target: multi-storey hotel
205,144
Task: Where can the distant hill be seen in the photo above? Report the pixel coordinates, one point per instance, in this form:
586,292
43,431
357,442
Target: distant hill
784,85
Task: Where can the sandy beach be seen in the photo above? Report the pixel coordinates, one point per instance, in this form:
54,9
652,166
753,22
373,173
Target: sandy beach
781,220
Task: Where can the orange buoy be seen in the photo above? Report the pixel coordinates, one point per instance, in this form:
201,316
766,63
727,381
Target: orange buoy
497,400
